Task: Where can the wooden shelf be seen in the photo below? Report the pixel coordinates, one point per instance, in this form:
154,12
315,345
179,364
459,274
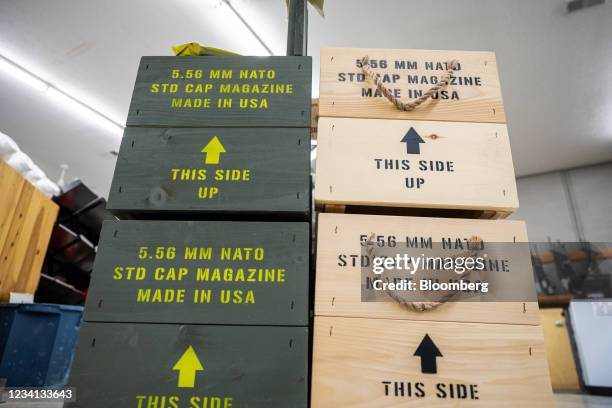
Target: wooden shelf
547,301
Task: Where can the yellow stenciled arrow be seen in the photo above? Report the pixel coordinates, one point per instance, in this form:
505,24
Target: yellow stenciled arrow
187,366
213,151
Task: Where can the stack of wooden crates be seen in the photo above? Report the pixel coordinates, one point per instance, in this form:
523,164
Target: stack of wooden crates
26,221
201,299
441,171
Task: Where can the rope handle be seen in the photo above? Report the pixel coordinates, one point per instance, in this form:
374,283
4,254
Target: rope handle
410,105
424,306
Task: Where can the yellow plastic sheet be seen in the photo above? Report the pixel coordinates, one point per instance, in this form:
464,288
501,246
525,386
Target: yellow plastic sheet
194,49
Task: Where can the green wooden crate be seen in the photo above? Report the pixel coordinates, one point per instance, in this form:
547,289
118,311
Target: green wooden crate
201,272
198,171
123,365
222,92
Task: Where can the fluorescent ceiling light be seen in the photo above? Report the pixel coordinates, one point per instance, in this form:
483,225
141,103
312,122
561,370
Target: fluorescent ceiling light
83,110
76,106
231,13
248,26
23,75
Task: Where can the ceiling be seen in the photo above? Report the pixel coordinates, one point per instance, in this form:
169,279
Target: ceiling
554,67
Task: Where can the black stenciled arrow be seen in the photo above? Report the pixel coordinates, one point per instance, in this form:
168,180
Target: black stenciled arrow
413,141
428,352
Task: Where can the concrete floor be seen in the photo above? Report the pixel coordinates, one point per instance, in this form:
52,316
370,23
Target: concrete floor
561,400
582,400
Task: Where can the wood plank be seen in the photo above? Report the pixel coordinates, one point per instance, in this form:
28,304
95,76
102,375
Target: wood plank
335,208
547,301
243,172
314,119
26,230
451,165
167,92
201,273
25,245
39,242
339,282
561,364
412,211
135,365
297,27
11,256
354,359
342,82
11,184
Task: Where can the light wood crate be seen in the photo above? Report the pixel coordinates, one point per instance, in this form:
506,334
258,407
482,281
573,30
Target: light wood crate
463,168
338,288
339,96
355,359
448,157
26,221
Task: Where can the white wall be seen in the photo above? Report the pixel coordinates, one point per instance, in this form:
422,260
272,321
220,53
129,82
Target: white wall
546,204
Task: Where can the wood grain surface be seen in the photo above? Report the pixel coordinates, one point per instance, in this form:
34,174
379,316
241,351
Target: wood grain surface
264,171
342,97
201,273
27,217
124,365
180,77
352,358
338,286
458,165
